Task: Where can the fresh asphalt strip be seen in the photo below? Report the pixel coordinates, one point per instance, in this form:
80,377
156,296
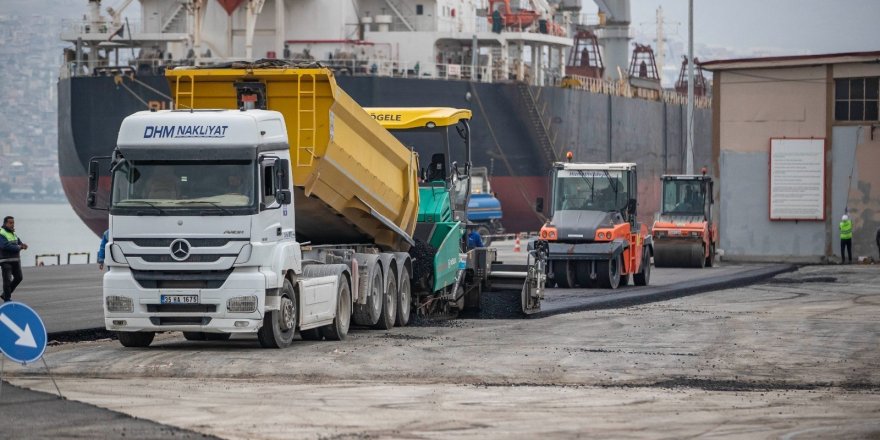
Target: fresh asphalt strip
560,301
630,296
27,414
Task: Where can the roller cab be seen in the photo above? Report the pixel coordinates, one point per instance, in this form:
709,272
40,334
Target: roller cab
684,233
593,237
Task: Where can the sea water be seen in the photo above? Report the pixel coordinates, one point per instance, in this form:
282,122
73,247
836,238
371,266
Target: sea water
51,228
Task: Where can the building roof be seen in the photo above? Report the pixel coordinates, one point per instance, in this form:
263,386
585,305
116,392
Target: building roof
792,61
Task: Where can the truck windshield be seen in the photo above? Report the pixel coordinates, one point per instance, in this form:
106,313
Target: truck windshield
218,187
683,197
590,190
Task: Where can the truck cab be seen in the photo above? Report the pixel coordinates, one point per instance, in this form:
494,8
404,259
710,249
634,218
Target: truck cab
484,209
202,232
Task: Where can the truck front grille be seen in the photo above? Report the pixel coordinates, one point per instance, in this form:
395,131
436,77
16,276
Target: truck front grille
176,279
193,258
194,242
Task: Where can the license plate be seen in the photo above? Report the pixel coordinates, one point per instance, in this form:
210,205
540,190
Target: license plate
675,232
179,299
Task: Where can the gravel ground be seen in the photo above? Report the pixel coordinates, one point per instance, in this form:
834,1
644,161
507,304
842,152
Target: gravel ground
794,357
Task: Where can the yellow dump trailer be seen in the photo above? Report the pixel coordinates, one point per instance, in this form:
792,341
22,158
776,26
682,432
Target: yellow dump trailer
354,181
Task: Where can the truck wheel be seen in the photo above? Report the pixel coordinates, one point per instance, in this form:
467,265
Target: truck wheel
710,260
135,339
609,273
484,235
564,273
312,334
389,305
644,276
404,299
194,336
339,328
279,326
368,314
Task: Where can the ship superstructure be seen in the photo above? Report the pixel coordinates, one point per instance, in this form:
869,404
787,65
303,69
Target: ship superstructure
510,61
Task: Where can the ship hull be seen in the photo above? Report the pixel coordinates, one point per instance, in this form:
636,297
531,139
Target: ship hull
506,135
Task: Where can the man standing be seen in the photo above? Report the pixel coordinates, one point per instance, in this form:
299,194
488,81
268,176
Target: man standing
10,262
845,238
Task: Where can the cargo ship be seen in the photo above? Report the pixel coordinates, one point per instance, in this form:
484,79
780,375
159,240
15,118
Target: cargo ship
540,78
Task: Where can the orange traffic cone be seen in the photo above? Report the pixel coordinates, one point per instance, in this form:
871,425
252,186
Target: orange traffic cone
516,246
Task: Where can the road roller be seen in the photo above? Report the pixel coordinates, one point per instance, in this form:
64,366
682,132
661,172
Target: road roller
684,233
593,238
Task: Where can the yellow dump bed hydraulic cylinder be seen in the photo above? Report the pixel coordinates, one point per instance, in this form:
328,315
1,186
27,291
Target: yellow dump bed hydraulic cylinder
354,182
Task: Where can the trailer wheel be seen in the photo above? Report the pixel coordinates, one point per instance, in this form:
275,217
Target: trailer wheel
609,272
338,330
279,326
643,277
369,314
564,273
404,298
135,339
389,305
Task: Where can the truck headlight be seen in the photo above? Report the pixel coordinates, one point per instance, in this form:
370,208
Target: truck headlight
119,304
245,254
242,304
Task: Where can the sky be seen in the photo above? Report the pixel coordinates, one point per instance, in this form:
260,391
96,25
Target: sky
737,27
759,27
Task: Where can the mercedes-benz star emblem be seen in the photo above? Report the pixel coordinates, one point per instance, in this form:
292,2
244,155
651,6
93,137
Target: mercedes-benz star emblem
180,249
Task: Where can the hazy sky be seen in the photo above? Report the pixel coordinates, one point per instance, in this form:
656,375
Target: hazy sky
743,27
767,26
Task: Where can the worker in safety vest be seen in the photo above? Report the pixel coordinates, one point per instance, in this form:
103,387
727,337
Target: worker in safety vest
10,262
845,238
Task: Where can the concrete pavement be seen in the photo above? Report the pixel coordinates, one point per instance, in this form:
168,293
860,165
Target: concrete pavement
795,357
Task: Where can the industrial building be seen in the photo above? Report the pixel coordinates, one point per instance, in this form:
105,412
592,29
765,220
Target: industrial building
796,144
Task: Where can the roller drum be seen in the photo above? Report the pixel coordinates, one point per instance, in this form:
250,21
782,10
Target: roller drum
679,255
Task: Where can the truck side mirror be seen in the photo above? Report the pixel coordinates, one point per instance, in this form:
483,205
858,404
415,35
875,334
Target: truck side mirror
92,198
539,204
282,174
283,196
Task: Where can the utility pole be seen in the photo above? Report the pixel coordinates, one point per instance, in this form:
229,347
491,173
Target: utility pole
690,110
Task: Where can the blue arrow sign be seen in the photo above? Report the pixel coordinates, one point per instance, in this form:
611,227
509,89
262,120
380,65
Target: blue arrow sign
22,333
